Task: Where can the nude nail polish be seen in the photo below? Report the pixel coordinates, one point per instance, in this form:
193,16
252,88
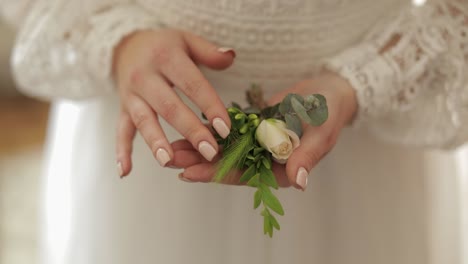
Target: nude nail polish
227,50
162,156
181,177
221,127
119,169
207,150
301,178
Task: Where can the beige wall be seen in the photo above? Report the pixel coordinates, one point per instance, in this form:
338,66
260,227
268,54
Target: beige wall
6,43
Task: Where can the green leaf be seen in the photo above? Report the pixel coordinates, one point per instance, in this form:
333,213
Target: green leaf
252,110
271,201
286,105
318,114
266,162
301,111
254,181
274,223
267,228
267,177
294,123
257,198
236,105
257,150
248,174
271,112
233,155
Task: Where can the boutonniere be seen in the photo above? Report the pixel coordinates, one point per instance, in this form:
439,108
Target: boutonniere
262,134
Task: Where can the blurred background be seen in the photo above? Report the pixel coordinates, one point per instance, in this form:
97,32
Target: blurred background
22,131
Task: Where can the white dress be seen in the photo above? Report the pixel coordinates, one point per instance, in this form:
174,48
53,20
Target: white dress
370,200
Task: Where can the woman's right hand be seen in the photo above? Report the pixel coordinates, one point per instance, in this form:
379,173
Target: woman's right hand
146,67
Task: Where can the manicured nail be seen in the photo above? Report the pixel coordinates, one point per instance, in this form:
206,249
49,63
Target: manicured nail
181,177
162,156
119,169
227,50
221,127
207,150
301,178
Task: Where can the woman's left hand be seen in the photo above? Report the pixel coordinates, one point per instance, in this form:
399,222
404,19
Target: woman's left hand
316,142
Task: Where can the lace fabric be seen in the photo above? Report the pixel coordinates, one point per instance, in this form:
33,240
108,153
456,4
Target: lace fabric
411,76
409,70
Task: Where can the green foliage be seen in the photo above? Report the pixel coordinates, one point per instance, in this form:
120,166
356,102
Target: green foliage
241,150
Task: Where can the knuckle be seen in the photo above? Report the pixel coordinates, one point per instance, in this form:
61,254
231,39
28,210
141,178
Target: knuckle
169,110
194,133
312,157
193,87
136,78
140,118
162,55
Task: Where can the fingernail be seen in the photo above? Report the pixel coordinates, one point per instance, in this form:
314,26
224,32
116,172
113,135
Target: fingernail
207,150
119,169
181,177
301,178
162,156
227,50
221,127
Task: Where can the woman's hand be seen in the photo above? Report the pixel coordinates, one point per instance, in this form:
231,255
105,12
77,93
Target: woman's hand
147,64
316,142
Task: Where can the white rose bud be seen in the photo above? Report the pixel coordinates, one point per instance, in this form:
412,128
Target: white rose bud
273,135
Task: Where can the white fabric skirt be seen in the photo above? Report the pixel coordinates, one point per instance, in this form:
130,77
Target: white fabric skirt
367,202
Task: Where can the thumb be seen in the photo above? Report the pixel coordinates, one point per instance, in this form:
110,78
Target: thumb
207,53
314,145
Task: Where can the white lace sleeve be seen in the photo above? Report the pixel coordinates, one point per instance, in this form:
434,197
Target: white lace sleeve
411,76
64,48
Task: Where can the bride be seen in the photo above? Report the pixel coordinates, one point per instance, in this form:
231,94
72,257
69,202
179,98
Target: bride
389,69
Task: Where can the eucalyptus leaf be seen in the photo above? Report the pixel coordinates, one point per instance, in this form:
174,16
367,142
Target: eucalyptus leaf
271,201
294,123
271,112
318,114
257,198
300,111
248,174
267,177
286,105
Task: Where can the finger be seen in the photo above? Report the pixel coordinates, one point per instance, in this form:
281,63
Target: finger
169,106
204,172
186,158
185,75
146,121
207,53
182,144
315,143
125,134
280,175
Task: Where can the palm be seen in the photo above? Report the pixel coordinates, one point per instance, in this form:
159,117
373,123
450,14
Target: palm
315,142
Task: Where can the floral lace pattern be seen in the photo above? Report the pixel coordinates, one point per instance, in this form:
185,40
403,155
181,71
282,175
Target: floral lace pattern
408,65
411,76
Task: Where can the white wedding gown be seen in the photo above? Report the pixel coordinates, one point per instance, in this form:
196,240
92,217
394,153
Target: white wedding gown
368,201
